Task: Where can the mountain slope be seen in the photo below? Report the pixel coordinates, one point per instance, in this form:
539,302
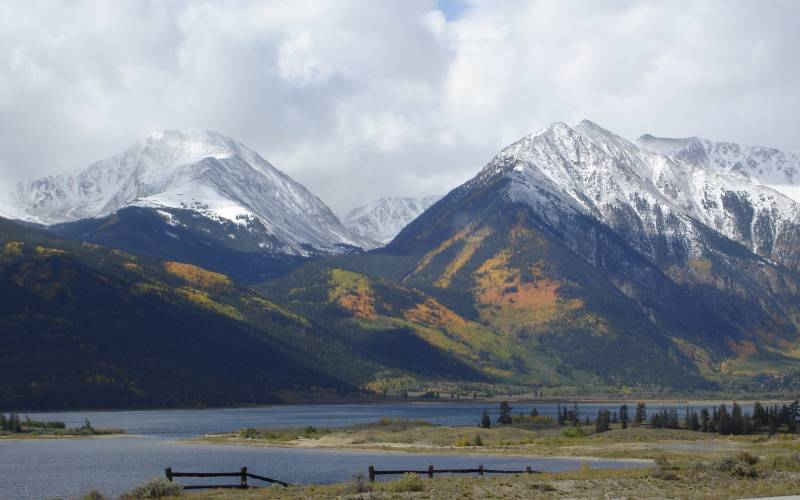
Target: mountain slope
83,326
202,172
382,219
594,256
766,166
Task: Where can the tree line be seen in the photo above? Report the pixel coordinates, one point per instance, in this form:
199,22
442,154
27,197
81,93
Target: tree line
14,424
719,419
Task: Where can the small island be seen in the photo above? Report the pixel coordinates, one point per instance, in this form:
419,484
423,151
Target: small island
12,426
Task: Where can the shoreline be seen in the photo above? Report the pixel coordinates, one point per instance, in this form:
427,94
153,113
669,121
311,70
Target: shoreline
427,401
490,453
45,437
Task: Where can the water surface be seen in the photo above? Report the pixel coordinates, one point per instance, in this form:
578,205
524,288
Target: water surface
35,469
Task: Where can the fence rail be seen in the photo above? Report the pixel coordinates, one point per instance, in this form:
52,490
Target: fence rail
243,475
430,471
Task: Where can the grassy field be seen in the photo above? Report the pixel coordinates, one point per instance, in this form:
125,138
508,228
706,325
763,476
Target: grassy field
418,436
687,464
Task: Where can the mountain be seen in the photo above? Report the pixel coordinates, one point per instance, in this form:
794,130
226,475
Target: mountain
198,185
84,326
578,257
765,166
381,220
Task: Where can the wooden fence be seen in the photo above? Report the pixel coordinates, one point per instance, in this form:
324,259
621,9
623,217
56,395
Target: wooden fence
431,471
243,475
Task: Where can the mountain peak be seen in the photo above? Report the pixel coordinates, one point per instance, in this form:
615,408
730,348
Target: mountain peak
382,219
196,170
176,147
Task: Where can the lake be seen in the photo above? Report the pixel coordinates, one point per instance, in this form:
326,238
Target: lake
35,469
191,423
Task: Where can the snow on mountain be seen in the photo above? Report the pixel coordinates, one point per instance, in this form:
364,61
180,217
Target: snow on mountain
766,166
381,220
655,201
201,171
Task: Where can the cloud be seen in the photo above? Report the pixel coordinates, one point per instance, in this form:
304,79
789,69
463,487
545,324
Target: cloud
360,99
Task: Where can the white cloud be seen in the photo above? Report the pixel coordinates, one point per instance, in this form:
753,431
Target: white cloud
359,99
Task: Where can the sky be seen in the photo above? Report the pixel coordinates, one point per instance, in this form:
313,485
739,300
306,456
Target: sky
360,99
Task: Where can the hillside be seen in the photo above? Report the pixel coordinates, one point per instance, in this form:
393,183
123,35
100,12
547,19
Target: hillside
575,252
85,326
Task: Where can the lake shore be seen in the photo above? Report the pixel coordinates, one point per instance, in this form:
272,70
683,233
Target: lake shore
679,463
32,436
635,443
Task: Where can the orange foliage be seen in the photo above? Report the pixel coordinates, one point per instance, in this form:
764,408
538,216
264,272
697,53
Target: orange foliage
744,348
197,276
433,313
426,260
471,244
353,292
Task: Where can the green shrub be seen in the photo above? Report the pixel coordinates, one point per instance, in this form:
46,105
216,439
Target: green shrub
155,488
359,484
93,495
574,432
785,463
409,482
478,441
742,465
462,442
742,469
248,433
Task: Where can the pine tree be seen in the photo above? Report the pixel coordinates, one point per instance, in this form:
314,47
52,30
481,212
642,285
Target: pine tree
576,420
486,420
704,419
505,413
641,414
724,420
15,426
695,422
623,416
760,417
713,424
602,424
737,421
794,414
747,426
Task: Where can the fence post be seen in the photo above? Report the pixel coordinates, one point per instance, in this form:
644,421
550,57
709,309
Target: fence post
430,471
168,473
244,478
480,469
371,473
528,470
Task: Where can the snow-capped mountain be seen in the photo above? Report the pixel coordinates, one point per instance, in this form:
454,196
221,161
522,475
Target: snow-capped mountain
382,219
655,201
766,166
198,173
584,248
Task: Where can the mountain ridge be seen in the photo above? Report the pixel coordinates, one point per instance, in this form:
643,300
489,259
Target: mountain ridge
201,171
382,219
